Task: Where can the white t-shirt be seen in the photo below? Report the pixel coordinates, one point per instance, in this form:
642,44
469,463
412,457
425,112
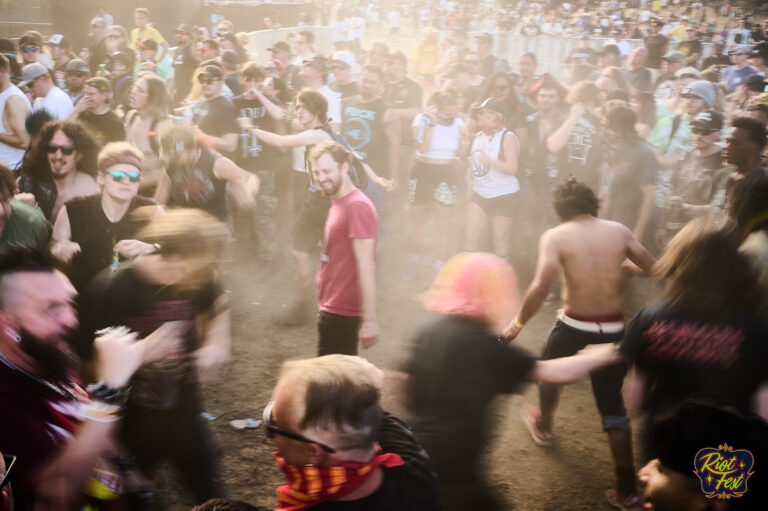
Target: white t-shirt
334,103
56,102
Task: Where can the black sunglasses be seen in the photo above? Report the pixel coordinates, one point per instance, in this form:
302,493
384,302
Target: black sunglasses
207,81
273,430
702,131
66,150
134,176
10,461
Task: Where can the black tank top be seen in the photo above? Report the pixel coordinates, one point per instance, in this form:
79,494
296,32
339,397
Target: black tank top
96,235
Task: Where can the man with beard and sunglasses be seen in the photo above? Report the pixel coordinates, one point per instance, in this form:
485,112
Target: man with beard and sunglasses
59,167
325,418
56,429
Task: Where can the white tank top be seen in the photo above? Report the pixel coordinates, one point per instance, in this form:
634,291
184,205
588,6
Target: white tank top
10,155
445,139
486,181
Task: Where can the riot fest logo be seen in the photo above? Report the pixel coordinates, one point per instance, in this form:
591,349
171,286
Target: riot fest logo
723,472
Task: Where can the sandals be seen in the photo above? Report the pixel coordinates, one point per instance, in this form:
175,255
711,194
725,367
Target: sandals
531,415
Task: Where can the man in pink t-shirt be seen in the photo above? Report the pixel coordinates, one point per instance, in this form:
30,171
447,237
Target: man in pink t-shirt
346,274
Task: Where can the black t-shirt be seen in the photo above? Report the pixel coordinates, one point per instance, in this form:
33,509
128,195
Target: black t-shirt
98,55
251,153
347,90
694,178
106,127
198,187
541,168
640,78
183,70
656,46
233,82
632,167
690,48
684,357
404,94
583,153
716,60
455,368
363,127
412,486
96,235
127,298
216,117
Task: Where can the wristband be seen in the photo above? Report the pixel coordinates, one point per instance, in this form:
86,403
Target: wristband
517,323
107,395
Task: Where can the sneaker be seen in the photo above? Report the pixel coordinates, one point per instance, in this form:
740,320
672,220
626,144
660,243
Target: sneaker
299,314
531,416
629,503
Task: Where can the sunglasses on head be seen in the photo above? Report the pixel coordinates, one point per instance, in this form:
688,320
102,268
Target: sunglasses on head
207,81
273,430
66,150
134,176
29,49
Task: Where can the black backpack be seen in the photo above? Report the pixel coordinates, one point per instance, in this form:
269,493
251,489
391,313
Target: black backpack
357,167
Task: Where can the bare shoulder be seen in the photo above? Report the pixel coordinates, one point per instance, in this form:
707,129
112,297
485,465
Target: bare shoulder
85,181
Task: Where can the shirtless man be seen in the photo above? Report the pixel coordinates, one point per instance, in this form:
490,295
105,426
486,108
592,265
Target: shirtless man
591,253
143,125
62,168
14,107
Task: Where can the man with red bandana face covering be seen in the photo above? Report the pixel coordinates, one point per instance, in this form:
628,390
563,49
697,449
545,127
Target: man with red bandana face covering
337,447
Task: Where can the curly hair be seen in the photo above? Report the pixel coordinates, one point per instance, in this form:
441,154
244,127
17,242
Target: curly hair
573,198
36,164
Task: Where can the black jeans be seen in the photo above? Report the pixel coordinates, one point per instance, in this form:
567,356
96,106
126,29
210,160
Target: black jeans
180,435
337,334
565,341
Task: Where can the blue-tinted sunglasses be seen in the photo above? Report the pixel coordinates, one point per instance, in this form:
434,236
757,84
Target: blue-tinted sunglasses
134,176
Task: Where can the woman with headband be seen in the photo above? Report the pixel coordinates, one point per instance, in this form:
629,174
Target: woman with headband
96,232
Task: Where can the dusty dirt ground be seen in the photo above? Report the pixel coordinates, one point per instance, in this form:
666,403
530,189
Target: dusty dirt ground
571,475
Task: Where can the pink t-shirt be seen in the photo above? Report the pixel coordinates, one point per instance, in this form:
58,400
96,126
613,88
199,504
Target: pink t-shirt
338,289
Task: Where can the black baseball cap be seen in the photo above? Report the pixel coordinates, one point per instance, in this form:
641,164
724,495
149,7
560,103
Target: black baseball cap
709,119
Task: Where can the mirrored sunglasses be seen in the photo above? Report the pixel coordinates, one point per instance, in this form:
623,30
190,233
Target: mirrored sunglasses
134,176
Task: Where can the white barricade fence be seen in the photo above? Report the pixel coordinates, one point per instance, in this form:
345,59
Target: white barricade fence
260,40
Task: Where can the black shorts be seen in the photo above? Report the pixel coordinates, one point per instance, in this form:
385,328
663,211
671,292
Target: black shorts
430,182
308,231
565,341
496,206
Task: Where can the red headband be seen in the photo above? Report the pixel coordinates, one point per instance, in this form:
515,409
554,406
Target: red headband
128,159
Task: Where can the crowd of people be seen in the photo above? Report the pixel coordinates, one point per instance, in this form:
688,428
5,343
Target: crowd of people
128,171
